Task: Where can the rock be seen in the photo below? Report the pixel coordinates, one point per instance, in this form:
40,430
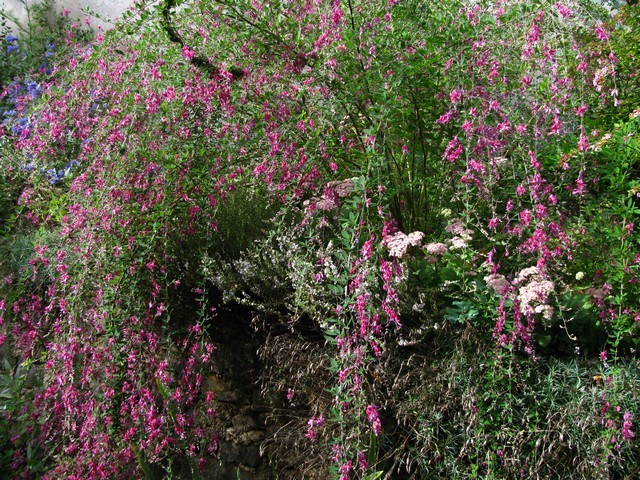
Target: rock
251,437
248,455
216,384
243,423
221,389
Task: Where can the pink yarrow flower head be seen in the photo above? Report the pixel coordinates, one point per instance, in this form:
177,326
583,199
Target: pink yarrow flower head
398,243
534,290
436,248
456,227
498,283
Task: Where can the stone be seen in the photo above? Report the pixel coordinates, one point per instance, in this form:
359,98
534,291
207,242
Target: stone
243,423
248,455
251,437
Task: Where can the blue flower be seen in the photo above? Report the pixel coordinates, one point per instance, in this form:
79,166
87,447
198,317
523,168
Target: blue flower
33,89
11,38
12,48
54,176
19,126
44,68
68,168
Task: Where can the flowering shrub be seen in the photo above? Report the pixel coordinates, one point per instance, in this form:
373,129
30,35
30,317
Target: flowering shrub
395,169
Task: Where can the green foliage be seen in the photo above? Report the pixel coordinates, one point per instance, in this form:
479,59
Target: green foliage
606,263
17,435
500,415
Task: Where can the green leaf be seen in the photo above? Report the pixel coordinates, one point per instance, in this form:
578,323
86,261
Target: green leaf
448,274
544,340
330,337
162,389
373,475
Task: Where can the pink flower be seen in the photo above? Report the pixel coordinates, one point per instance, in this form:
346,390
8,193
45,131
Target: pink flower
525,217
600,32
581,186
345,470
564,11
454,150
583,143
362,461
367,247
374,419
627,434
446,117
312,423
188,53
456,96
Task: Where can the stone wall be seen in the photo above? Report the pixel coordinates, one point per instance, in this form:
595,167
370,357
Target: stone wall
109,9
